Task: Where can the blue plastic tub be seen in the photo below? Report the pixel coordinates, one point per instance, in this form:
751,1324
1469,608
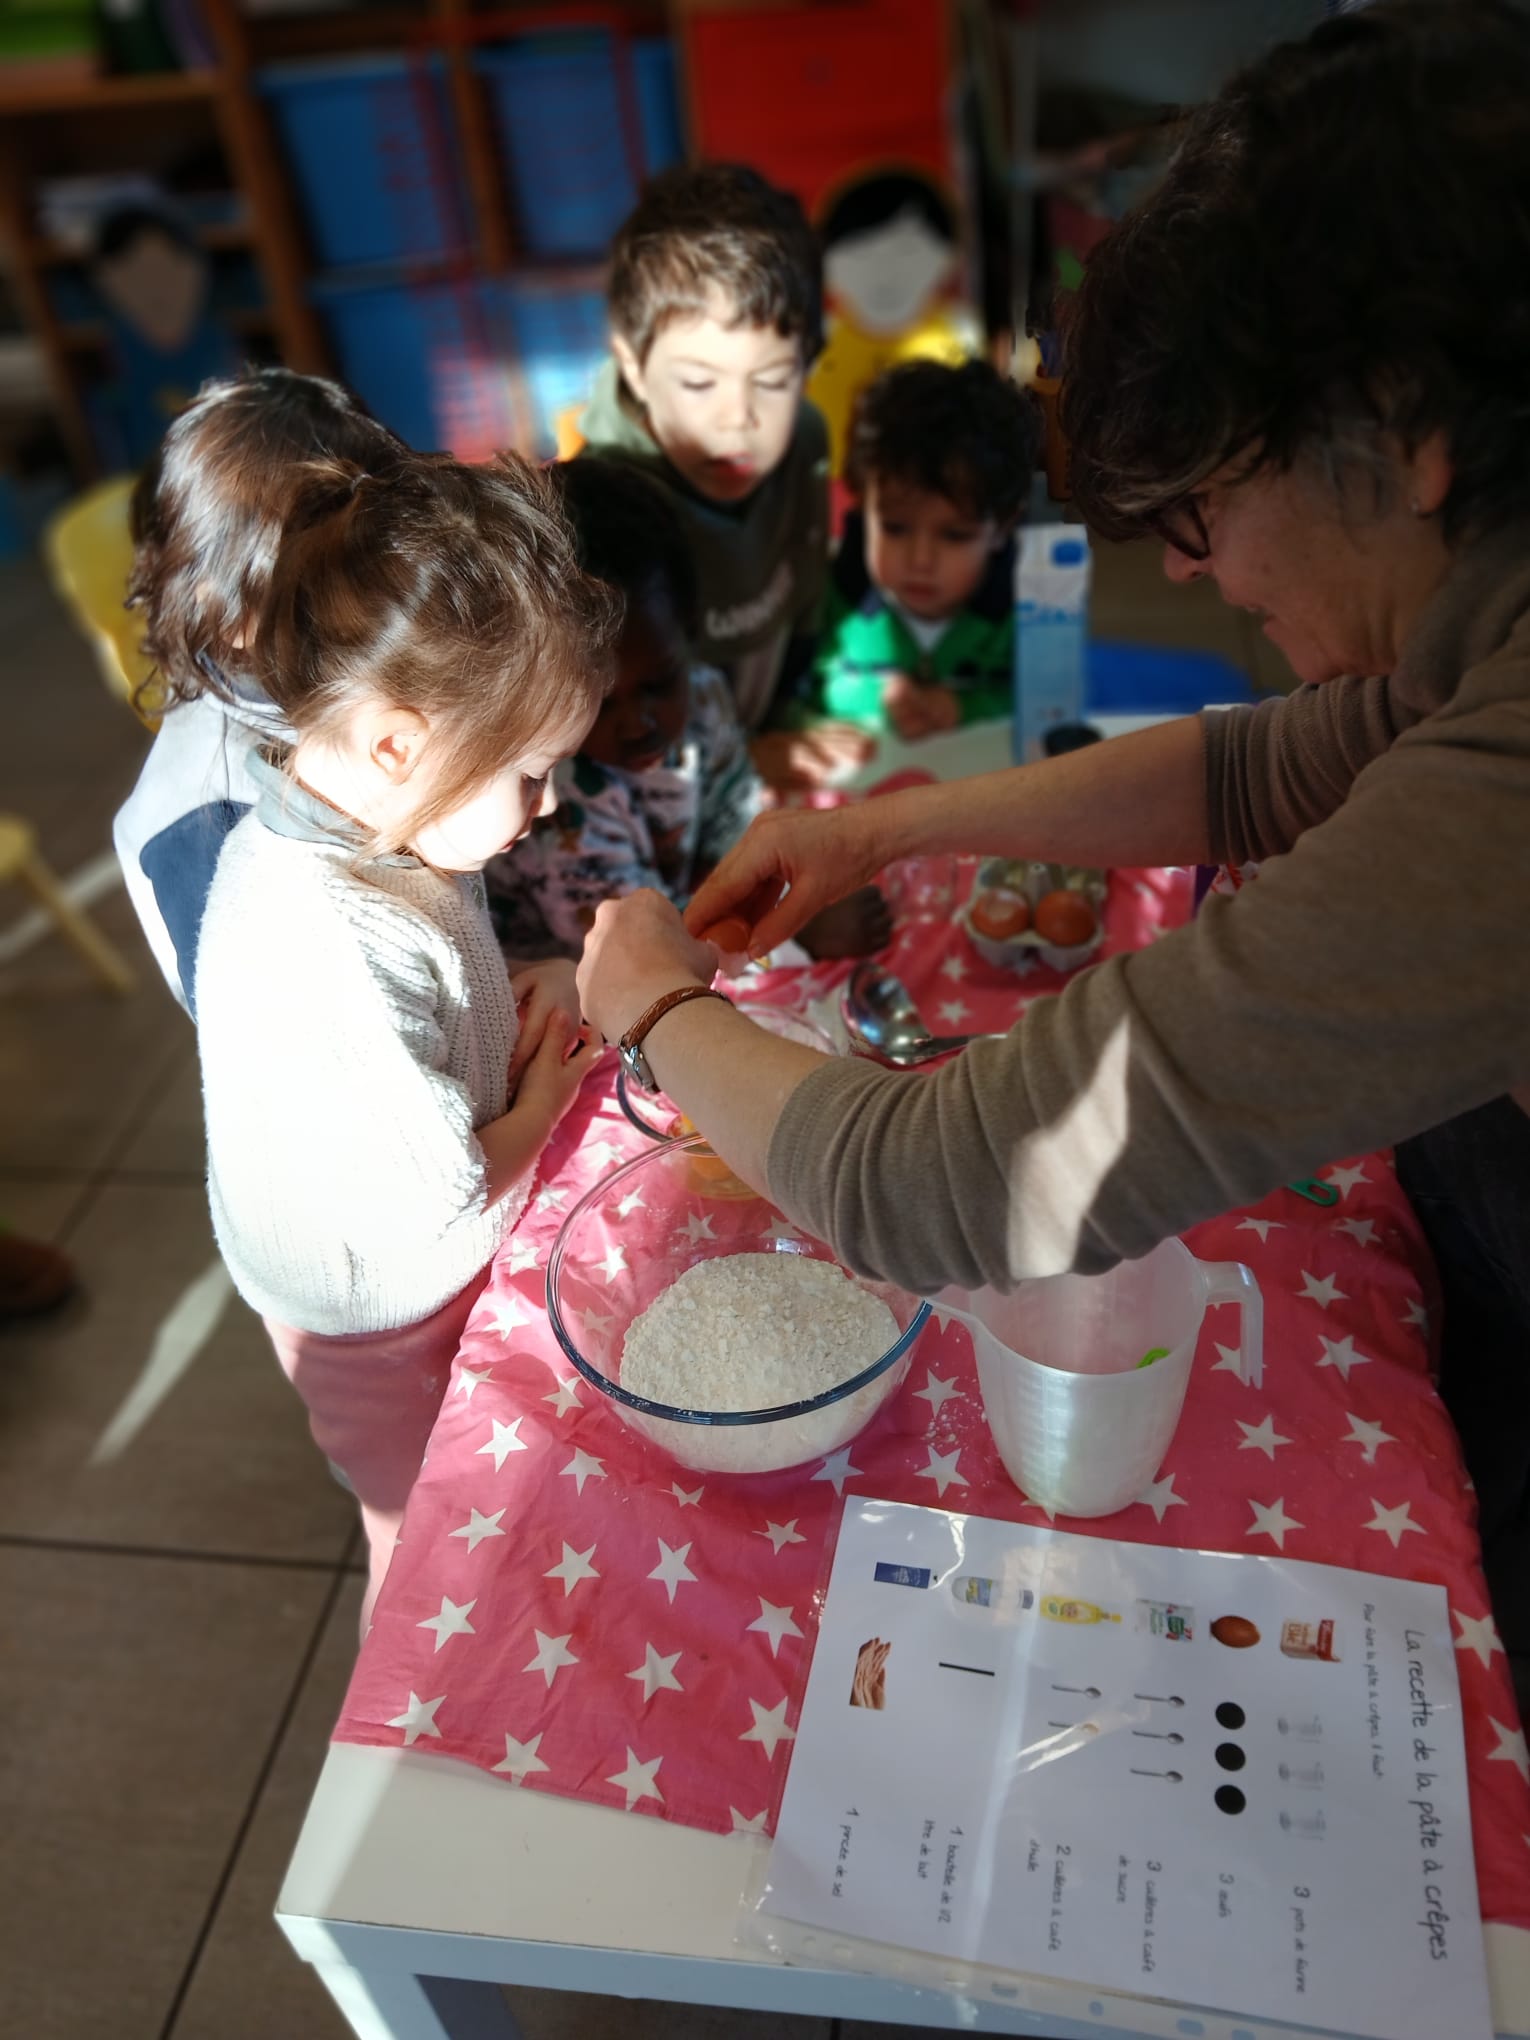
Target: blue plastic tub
557,333
1158,680
427,359
372,153
559,110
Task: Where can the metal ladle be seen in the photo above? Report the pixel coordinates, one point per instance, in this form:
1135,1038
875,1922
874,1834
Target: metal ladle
883,1022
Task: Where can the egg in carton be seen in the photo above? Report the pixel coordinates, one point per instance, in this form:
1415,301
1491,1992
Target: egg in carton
1021,914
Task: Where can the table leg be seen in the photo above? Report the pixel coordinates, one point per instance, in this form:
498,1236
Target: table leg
394,2005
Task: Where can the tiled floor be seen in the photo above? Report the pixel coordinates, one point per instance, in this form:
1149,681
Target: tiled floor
146,1818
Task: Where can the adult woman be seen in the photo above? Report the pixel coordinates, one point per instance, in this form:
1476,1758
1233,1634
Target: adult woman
1305,364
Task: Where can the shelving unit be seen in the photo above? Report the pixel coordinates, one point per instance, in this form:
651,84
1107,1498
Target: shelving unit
48,128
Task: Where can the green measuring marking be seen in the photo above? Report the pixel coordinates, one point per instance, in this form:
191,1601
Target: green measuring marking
1153,1353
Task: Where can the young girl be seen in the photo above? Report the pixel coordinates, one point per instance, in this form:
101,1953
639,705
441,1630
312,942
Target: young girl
373,1120
208,514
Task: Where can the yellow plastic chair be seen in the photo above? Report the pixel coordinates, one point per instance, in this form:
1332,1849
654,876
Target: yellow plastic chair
89,549
21,863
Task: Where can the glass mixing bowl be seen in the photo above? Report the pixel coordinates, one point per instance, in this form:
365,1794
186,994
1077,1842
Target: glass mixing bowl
634,1234
654,1114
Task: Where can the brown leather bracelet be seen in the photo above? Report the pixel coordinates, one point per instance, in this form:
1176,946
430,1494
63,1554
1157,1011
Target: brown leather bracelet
630,1047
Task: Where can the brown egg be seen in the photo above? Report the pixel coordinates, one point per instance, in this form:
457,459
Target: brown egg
1235,1631
730,936
999,914
1065,919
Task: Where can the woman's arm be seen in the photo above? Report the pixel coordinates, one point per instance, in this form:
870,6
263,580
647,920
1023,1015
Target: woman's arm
1137,800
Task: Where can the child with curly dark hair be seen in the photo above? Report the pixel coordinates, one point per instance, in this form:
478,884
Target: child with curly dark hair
919,634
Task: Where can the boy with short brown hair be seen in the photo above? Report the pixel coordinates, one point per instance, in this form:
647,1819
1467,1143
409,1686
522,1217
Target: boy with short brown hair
715,302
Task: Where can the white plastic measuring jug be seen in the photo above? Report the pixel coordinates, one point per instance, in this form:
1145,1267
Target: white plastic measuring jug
1081,1424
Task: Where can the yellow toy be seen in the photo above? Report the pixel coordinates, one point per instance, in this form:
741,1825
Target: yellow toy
89,549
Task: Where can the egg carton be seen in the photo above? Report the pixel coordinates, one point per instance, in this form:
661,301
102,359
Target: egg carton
1033,881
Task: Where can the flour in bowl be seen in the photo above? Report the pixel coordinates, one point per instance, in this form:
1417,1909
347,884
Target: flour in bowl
751,1332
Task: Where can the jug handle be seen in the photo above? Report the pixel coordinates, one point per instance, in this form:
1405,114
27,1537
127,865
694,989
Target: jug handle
1232,1282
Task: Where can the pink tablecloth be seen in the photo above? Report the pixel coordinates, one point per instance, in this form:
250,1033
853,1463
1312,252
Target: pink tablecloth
570,1611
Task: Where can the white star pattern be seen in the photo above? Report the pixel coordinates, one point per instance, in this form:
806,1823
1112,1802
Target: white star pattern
1325,1292
522,1257
1341,1353
552,1655
1511,1749
754,1823
942,1470
1367,1436
1263,1226
521,1758
614,1264
1260,1437
1272,1521
1344,1180
1160,1498
637,1779
688,1498
603,1153
953,1012
452,1620
1414,1314
477,1528
1478,1633
769,1727
954,969
583,1466
1393,1523
418,1718
1231,1361
657,1673
595,1321
551,1198
630,1203
938,1393
508,1315
565,1395
781,1533
503,1441
672,1570
573,1567
837,1469
1362,1229
697,1227
470,1380
774,1623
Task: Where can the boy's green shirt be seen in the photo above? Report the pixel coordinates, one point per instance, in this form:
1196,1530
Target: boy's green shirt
865,640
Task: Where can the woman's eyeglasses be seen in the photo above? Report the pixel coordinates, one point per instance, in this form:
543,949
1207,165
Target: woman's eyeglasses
1182,525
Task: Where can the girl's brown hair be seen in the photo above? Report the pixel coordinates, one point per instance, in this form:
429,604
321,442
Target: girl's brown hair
455,591
209,510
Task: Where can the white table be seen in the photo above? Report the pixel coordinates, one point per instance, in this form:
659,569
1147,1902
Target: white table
420,1885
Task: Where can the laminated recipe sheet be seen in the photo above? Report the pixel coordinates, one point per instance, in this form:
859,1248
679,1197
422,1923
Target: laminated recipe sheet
1229,1781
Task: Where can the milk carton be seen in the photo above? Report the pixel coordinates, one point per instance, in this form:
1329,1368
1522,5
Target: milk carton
1051,632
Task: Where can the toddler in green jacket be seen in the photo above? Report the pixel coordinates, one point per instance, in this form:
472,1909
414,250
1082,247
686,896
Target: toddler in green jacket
919,631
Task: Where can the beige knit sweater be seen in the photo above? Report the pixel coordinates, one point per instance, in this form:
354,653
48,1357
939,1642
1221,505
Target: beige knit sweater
355,1024
1374,981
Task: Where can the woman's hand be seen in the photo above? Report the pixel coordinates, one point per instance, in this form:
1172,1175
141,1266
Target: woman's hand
541,990
637,951
821,856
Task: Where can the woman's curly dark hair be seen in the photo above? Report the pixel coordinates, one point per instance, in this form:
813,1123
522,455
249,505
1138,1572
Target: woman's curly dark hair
1340,249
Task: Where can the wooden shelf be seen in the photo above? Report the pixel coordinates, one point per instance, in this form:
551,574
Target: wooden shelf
21,96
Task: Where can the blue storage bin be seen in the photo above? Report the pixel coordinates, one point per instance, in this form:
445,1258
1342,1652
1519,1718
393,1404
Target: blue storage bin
1125,679
372,152
427,359
557,333
558,108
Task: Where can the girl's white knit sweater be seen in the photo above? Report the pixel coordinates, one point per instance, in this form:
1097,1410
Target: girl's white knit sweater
355,1022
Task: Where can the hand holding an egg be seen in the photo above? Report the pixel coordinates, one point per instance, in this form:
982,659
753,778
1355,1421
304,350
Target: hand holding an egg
636,951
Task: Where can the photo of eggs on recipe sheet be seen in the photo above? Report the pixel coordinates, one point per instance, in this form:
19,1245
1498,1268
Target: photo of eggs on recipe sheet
1230,1781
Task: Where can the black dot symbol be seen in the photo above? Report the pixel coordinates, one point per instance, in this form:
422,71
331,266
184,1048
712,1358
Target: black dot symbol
1229,1799
1230,1757
1231,1715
